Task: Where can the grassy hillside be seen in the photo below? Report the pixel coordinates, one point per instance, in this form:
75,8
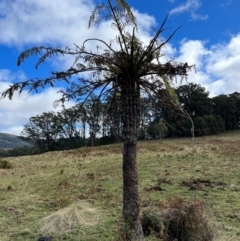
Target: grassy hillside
8,141
77,194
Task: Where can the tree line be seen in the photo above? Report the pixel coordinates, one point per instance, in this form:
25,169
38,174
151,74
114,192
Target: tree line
92,123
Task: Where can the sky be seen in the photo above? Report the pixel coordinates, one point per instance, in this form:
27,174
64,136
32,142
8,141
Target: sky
209,37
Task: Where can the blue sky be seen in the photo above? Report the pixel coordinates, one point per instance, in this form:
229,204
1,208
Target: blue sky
209,38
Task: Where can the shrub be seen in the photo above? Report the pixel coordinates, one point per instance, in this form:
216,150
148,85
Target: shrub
151,221
178,220
5,164
187,221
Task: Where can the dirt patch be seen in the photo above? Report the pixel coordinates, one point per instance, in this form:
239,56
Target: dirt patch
201,184
164,181
158,187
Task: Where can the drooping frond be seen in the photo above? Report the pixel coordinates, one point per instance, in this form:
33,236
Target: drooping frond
124,5
122,9
171,91
48,53
94,17
26,54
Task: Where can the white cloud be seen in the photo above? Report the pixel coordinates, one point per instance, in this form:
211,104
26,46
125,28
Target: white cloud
46,22
43,21
7,76
16,113
217,66
193,52
190,6
198,16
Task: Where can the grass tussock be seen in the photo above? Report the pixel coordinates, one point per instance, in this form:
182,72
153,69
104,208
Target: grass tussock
64,220
178,219
4,164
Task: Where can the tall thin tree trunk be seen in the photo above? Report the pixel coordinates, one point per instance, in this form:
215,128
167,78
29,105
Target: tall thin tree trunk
130,118
84,133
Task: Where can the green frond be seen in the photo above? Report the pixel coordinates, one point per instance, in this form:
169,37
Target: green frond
26,54
49,53
37,50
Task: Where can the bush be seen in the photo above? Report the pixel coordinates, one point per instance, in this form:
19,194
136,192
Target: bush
178,220
5,164
211,124
187,221
200,126
152,221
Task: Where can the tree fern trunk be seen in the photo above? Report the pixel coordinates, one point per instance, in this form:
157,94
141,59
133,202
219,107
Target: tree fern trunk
130,118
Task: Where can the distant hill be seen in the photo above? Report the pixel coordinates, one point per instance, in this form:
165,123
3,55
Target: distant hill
8,141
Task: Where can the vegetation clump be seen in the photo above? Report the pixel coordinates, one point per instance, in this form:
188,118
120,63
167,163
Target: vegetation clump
180,220
5,164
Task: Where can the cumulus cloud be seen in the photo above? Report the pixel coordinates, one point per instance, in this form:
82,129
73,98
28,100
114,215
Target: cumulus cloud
190,6
7,76
16,113
46,22
41,18
217,66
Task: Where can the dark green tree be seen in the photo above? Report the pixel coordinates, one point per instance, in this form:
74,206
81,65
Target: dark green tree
130,69
212,124
226,107
235,97
195,99
200,126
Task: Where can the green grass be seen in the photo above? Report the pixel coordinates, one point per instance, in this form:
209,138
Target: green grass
36,187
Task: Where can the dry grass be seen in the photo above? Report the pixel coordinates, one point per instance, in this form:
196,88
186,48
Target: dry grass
48,186
66,219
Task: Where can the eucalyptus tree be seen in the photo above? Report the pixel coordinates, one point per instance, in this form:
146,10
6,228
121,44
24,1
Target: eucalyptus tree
68,119
160,128
93,107
129,69
43,129
113,118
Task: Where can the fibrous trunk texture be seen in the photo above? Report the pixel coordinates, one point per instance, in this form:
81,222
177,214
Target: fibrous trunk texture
130,119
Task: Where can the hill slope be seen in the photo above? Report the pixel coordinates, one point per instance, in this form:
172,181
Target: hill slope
8,141
38,192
